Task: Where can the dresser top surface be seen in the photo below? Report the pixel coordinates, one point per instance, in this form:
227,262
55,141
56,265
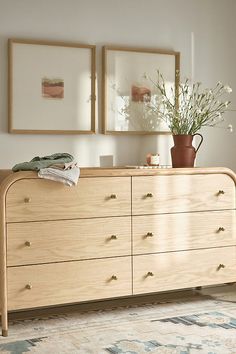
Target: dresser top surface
8,177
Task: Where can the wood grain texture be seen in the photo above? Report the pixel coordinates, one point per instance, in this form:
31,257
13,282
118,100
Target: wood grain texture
178,270
52,201
183,231
7,177
173,194
65,240
141,49
68,282
3,262
53,131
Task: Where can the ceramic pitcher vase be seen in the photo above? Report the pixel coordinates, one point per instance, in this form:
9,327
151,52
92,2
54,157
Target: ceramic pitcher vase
183,153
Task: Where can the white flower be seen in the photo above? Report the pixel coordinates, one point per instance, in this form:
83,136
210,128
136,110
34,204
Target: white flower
230,128
227,89
195,108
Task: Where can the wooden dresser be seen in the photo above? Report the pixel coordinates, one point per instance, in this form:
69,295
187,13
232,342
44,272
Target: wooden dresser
119,232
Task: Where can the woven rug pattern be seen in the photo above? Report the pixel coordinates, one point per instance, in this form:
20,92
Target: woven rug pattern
189,326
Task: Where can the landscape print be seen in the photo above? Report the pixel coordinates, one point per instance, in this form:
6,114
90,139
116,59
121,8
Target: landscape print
140,94
52,88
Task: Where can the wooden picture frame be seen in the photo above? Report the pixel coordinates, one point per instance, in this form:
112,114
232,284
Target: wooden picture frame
123,70
51,87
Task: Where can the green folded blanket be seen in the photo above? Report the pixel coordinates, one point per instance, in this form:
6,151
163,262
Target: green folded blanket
37,163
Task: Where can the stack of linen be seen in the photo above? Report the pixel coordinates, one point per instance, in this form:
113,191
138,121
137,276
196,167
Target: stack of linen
59,167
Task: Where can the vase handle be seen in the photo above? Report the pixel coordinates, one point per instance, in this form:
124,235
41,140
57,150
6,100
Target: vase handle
200,141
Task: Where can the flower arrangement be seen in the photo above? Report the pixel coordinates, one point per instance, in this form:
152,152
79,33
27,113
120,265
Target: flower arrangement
188,108
133,109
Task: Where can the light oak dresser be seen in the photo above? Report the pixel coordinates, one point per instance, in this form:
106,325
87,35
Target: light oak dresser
119,232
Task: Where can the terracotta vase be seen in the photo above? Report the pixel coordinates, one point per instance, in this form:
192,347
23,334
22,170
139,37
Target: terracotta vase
183,153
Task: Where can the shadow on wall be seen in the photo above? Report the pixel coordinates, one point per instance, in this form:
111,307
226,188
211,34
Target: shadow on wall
108,150
160,144
127,150
105,150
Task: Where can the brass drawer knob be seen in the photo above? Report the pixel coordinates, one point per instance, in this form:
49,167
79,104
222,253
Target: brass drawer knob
113,237
221,265
28,243
27,200
221,229
220,192
149,195
113,196
28,286
149,234
150,274
114,277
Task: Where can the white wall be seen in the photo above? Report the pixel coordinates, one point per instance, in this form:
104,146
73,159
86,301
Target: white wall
151,23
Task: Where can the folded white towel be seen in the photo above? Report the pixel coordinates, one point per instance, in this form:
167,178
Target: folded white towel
65,165
69,177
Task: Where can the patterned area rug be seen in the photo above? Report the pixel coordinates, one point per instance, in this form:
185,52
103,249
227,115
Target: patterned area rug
197,325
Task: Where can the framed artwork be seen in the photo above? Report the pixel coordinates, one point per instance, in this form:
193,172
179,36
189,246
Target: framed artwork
51,87
126,89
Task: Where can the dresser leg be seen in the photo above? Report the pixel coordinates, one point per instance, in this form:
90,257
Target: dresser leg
198,288
5,333
4,322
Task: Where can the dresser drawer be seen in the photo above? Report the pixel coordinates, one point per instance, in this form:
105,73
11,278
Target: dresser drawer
182,193
37,199
64,240
183,231
68,282
176,270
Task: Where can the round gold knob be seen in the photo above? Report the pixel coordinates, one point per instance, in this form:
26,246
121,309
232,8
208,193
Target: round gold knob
113,196
149,234
113,237
221,192
28,243
150,274
221,229
28,286
114,277
221,265
149,195
27,200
